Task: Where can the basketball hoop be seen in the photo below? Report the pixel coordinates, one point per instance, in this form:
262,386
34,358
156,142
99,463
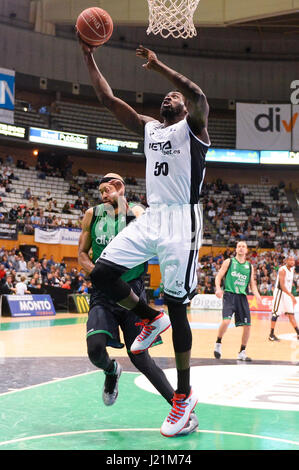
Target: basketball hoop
172,18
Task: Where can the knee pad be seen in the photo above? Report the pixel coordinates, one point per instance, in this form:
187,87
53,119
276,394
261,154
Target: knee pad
274,317
96,350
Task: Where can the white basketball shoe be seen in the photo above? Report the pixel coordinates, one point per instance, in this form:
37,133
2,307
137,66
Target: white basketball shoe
179,414
149,332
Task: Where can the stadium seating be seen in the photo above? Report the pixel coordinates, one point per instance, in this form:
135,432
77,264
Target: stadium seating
94,120
60,188
259,193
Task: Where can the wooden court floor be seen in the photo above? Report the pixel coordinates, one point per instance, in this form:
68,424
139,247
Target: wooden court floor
36,337
50,394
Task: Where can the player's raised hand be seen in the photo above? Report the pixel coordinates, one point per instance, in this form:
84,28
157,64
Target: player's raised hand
86,48
150,56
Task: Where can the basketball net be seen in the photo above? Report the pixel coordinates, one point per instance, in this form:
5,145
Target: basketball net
172,18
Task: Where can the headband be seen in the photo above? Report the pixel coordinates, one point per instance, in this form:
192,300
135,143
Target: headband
106,179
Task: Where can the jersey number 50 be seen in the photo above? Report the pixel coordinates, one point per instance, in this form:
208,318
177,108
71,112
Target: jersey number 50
161,168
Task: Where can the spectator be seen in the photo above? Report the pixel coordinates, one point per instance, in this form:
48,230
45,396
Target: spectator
67,284
2,271
66,208
21,287
9,286
22,265
44,270
48,196
51,262
9,160
83,289
27,194
2,190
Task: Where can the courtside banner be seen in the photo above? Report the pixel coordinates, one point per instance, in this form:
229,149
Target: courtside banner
27,305
266,304
265,126
7,95
69,236
295,141
211,302
206,302
47,236
8,230
63,236
78,303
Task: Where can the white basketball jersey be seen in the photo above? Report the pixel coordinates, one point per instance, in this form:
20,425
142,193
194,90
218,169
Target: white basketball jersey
289,278
175,163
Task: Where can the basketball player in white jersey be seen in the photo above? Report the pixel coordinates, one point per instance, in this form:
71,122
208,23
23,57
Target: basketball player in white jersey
283,299
171,227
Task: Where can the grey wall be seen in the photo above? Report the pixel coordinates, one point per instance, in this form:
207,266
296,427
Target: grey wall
60,59
20,7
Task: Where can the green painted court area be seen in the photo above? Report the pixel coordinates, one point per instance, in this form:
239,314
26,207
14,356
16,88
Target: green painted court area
21,325
68,414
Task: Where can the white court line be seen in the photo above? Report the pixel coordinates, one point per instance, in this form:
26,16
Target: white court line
69,433
58,379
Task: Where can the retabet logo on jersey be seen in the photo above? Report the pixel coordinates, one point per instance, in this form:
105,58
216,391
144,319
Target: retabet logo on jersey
164,147
272,122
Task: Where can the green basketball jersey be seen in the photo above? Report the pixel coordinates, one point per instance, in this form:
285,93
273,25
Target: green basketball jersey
104,227
237,277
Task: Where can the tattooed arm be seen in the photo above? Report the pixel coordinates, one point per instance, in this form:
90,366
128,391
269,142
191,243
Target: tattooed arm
196,101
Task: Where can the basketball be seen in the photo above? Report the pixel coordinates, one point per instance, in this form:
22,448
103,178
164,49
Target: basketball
95,26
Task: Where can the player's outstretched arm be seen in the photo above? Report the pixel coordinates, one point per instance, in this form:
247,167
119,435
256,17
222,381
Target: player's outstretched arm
197,105
123,112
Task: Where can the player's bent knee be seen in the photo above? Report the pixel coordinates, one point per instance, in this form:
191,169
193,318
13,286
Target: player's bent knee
96,349
103,273
106,278
274,317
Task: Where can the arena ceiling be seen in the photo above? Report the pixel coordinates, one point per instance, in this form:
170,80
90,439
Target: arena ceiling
271,14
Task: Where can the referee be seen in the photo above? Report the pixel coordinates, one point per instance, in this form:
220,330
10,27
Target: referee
99,226
238,275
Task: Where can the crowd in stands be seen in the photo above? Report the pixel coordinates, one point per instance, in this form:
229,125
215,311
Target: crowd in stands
37,273
257,225
221,226
265,264
29,214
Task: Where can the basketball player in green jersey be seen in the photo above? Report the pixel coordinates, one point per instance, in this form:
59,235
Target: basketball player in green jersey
99,226
238,275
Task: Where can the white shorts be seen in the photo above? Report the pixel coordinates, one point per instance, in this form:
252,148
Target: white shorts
173,234
282,303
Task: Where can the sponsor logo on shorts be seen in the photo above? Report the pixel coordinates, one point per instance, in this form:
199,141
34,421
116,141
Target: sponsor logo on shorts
179,283
173,292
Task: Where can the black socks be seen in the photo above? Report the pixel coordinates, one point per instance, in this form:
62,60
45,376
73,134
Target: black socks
184,382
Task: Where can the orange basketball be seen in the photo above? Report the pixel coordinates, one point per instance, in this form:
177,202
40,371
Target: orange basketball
95,26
